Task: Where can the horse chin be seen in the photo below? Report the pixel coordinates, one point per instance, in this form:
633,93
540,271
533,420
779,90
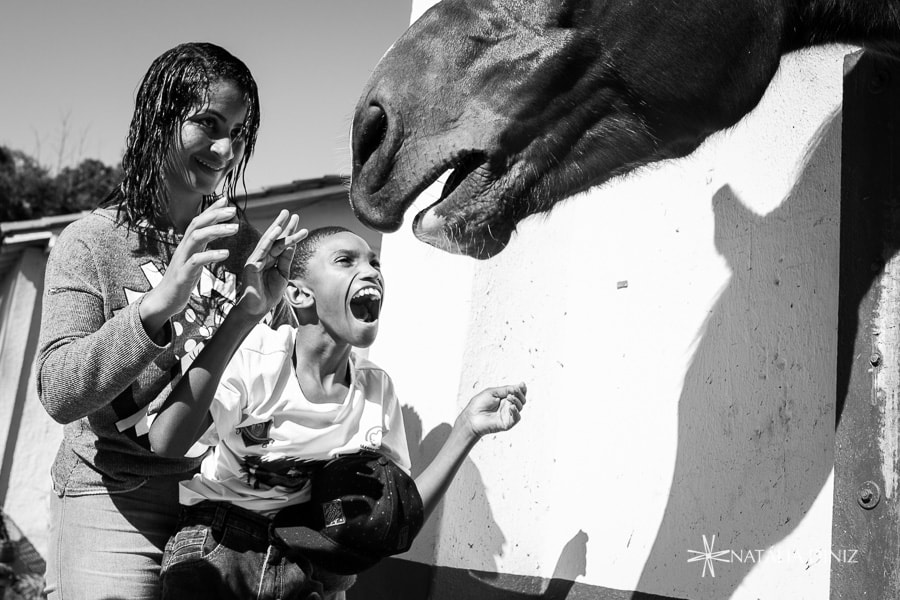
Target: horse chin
463,229
476,244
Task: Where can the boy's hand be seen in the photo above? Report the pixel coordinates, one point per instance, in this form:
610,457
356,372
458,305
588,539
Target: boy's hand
267,270
494,409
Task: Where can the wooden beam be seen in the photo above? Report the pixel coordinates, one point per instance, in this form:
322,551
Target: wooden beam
865,527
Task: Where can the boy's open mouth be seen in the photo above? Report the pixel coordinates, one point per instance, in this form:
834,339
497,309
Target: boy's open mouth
366,304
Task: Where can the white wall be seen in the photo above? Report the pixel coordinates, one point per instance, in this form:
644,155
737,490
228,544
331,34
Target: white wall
696,400
28,436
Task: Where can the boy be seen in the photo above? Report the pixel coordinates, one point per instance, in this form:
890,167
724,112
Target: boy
289,401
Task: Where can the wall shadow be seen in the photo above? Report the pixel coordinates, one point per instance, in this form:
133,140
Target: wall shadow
756,415
401,579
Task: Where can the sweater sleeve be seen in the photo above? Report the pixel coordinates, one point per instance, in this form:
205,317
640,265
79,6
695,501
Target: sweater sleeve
84,360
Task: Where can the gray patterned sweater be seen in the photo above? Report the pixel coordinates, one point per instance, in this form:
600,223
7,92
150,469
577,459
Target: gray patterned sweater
98,371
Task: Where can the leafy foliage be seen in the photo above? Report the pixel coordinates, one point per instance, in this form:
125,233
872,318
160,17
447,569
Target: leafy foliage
29,191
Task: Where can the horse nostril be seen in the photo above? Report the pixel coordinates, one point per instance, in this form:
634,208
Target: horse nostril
372,131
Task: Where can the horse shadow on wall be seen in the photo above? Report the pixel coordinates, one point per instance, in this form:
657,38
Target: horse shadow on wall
756,416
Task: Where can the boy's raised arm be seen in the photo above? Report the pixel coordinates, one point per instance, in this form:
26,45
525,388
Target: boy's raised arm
185,415
491,411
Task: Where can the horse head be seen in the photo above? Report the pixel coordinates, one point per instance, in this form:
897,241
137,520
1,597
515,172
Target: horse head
530,102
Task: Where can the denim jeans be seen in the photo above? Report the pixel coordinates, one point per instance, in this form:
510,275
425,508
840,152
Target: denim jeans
109,546
223,551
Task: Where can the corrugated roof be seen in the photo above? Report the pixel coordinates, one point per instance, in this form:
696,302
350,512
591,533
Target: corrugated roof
16,236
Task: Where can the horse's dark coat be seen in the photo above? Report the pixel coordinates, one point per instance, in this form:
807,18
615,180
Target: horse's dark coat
533,101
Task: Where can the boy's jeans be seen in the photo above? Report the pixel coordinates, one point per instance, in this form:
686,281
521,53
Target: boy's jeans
223,551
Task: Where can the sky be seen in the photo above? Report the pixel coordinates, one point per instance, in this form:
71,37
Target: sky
69,71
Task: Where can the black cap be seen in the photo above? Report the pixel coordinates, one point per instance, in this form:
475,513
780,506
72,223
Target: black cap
363,508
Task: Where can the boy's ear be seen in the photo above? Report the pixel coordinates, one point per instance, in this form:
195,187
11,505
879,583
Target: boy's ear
299,295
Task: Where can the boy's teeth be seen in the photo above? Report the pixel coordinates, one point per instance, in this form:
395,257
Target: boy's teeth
367,292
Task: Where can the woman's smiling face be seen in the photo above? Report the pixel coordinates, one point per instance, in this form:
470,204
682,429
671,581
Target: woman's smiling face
210,145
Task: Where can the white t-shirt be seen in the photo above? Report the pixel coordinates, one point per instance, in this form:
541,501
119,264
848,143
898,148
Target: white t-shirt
264,428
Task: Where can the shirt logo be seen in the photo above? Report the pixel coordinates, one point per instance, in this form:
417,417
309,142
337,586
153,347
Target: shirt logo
256,434
334,513
373,438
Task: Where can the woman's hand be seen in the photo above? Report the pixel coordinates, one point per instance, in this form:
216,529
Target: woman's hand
185,413
190,257
267,270
494,410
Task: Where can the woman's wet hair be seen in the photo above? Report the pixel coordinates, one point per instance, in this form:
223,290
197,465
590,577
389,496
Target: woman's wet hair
176,83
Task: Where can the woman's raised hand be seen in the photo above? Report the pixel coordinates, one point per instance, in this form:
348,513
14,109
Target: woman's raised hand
191,256
267,270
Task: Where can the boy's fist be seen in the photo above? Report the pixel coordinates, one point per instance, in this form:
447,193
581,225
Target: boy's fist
495,409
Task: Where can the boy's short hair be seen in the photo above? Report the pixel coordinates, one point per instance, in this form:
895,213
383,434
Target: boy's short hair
307,247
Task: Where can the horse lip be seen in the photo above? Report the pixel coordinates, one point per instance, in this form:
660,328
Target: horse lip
459,185
465,167
384,223
382,207
480,247
475,228
377,210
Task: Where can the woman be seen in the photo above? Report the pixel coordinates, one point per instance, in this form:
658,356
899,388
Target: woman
132,290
